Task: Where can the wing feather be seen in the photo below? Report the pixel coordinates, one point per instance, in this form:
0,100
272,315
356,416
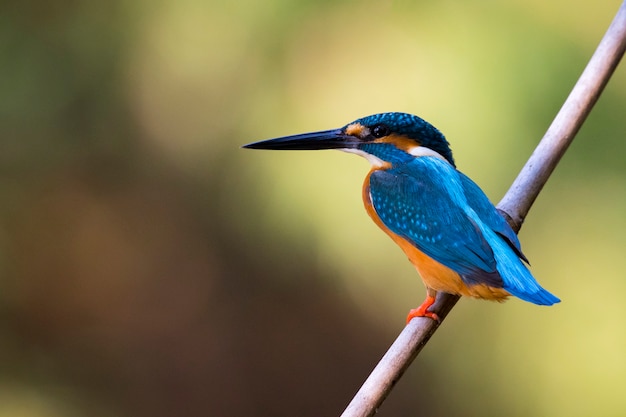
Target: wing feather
422,201
479,202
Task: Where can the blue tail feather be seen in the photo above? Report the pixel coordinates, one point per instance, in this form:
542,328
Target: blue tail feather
516,277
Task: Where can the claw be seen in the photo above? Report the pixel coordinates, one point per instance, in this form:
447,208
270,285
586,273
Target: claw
422,311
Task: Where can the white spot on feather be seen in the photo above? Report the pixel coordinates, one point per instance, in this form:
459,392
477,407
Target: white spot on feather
423,151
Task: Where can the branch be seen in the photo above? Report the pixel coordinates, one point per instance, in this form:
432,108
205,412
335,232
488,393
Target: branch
514,206
526,187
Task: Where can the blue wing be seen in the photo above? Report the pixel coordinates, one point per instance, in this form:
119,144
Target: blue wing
448,217
422,201
479,202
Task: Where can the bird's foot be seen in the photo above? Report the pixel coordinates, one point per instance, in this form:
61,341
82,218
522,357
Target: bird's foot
422,311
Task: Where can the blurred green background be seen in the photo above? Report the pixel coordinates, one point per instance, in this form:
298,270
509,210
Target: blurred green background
151,267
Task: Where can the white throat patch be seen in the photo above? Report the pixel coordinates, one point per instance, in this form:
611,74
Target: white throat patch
376,162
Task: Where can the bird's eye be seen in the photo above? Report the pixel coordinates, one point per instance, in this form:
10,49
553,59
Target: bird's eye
379,131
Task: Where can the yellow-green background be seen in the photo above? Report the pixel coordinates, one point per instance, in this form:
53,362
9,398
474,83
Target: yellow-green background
151,267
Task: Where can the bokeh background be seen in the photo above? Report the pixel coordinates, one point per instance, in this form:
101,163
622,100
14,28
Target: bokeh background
151,267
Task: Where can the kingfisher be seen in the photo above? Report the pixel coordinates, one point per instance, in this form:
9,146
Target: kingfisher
445,224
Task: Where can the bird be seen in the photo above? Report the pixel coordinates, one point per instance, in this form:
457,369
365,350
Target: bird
445,224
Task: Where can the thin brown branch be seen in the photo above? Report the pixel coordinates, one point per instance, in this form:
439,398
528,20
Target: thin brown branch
515,206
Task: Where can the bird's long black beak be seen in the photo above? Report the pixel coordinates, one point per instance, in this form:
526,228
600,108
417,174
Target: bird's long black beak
326,139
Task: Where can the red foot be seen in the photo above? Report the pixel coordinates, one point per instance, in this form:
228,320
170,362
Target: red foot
422,311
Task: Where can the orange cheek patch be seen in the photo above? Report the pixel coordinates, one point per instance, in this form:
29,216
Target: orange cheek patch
401,142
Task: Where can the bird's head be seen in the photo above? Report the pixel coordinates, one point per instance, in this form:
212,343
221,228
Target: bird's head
383,139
